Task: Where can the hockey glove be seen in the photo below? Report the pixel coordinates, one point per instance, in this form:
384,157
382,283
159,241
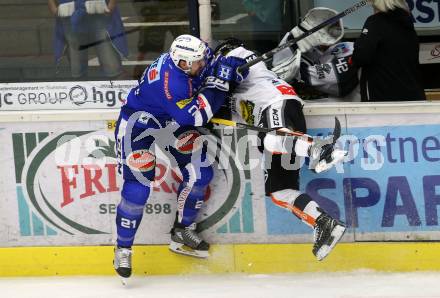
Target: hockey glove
219,84
225,68
287,67
327,36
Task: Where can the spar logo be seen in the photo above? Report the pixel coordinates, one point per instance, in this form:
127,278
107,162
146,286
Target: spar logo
66,178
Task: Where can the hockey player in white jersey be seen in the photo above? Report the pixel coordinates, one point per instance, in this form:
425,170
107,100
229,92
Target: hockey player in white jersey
320,61
263,99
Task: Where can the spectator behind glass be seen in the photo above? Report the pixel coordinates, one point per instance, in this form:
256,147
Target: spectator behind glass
264,17
388,53
81,24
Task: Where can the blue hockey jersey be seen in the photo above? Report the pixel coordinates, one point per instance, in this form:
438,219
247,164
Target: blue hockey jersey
168,93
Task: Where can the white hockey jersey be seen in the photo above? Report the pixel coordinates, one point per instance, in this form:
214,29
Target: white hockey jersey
260,89
331,71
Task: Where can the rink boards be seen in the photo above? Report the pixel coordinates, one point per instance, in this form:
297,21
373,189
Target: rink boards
59,192
227,258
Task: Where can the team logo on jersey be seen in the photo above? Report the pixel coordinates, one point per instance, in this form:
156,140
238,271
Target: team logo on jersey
141,160
247,111
322,70
225,72
188,142
183,103
153,73
340,49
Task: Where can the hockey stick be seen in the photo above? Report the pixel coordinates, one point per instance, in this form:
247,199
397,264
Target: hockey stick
291,42
336,130
97,42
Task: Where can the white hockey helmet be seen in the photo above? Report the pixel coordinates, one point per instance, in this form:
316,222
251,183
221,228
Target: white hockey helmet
188,48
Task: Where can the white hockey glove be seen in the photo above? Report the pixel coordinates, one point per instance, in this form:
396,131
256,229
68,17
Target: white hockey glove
286,64
323,155
328,35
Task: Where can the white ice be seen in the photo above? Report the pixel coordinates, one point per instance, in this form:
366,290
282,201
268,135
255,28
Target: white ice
360,284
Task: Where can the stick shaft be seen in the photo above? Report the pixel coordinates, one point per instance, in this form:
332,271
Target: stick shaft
291,42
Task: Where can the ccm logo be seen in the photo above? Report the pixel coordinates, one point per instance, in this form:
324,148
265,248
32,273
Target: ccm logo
275,117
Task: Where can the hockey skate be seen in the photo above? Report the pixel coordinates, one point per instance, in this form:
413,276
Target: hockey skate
122,262
186,241
328,232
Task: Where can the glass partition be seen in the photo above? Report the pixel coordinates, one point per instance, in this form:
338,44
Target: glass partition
260,24
54,40
64,40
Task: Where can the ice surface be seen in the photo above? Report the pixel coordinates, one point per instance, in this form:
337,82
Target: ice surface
359,284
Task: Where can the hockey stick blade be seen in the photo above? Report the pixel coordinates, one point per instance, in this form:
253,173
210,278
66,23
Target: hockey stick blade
336,130
337,155
289,43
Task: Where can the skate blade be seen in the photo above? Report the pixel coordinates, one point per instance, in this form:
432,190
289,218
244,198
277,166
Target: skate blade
185,250
337,157
337,234
124,281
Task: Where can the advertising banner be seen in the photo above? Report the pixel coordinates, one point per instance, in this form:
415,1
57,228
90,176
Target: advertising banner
60,185
64,95
424,13
389,186
429,53
62,188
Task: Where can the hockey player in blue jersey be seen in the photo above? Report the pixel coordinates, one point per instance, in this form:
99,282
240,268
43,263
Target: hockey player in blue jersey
182,89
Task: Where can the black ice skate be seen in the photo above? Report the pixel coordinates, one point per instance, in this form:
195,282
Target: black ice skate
186,241
328,232
122,262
